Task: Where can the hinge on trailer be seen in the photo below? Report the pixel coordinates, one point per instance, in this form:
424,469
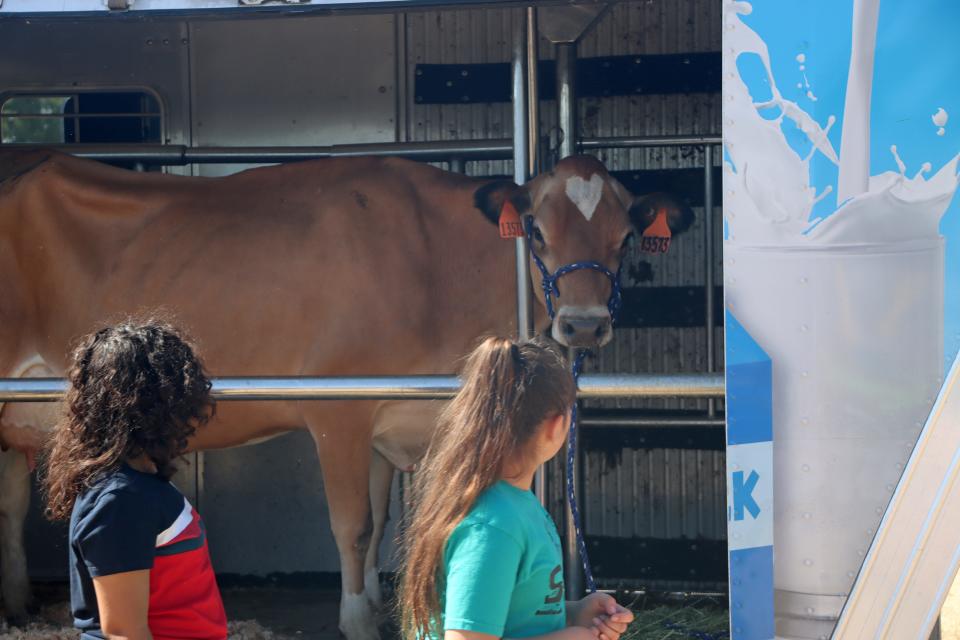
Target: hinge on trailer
119,5
256,2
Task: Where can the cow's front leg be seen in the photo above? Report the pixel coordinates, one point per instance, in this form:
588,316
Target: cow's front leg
345,450
14,501
381,480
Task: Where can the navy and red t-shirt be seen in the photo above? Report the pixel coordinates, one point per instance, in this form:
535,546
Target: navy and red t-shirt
131,521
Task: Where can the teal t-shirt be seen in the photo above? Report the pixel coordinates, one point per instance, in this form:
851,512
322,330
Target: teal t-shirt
503,568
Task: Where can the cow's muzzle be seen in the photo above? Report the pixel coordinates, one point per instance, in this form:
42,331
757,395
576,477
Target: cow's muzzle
584,328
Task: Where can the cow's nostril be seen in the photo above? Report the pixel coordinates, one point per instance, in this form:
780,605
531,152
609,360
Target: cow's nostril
568,329
601,331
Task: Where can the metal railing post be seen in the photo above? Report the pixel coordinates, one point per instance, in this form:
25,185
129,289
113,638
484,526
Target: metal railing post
566,97
423,387
533,94
437,151
520,163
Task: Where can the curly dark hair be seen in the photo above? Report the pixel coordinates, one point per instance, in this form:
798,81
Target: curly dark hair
135,388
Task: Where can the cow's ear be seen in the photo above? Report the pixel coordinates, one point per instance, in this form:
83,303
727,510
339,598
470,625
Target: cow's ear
645,209
490,198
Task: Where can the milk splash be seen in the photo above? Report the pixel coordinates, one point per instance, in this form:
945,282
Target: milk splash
940,120
771,199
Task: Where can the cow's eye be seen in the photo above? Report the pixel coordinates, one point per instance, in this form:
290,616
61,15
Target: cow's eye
627,242
538,235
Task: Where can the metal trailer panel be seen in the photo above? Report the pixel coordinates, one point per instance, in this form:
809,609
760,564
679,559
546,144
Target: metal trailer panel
266,512
319,81
139,9
155,57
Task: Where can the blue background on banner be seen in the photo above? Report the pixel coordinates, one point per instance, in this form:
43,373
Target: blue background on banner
749,484
916,71
751,572
749,387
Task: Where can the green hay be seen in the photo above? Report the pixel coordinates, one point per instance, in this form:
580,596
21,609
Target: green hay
675,621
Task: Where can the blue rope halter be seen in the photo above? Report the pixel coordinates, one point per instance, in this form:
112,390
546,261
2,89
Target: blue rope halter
550,289
549,281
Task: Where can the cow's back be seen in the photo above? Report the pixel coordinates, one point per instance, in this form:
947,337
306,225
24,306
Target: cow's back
333,267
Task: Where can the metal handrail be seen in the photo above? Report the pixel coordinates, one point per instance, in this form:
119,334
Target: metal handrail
685,385
632,422
177,155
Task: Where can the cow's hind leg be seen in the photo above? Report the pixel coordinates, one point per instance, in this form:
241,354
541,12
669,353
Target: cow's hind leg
14,501
381,480
345,451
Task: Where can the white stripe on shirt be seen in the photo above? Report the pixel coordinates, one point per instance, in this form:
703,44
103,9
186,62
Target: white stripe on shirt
178,526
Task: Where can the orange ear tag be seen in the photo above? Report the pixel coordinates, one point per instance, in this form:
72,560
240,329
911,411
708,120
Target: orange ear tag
656,237
510,225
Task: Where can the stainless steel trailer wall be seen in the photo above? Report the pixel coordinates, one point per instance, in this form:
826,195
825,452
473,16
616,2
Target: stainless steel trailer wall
347,79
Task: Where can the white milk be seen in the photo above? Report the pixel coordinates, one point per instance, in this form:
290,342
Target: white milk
850,309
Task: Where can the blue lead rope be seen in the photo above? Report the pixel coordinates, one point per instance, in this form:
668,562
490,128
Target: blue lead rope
550,288
571,490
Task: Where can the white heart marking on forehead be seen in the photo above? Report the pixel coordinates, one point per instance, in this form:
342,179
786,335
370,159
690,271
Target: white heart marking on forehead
585,194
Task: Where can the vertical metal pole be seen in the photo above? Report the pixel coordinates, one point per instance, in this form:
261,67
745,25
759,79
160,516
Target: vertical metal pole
567,114
708,251
533,97
520,163
457,165
526,47
566,97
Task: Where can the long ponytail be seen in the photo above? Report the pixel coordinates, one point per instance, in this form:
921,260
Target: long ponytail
508,390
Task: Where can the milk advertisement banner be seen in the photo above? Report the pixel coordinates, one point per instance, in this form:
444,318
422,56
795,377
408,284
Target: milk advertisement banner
841,130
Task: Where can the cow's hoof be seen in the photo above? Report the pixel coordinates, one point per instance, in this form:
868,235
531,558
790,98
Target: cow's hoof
357,618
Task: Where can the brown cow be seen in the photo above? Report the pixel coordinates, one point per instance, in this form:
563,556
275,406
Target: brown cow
332,267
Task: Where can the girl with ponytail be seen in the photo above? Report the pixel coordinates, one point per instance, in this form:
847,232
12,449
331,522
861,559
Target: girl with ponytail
481,557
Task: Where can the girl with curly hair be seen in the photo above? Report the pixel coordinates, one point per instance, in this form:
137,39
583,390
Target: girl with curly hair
139,564
482,558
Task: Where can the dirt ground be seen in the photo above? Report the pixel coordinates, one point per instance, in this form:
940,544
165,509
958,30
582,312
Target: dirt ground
261,613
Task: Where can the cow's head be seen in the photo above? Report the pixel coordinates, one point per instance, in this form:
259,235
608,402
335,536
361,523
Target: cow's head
579,213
